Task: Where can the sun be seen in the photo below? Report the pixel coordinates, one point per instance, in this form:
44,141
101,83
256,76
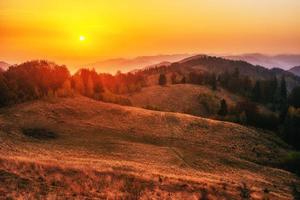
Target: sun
81,38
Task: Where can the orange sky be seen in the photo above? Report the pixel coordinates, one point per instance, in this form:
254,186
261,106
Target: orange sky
50,29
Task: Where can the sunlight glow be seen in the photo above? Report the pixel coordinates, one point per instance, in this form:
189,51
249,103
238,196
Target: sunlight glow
81,38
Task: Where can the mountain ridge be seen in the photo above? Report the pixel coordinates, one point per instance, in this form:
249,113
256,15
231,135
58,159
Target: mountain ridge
295,70
284,61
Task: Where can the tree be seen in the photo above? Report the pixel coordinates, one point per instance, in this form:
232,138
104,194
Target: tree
214,81
173,78
162,79
256,94
292,127
283,90
250,109
283,106
5,97
223,108
274,86
294,98
89,90
183,81
236,73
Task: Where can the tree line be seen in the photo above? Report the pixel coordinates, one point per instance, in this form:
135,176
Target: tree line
36,79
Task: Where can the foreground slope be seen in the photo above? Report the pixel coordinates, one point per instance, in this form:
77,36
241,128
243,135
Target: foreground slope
97,150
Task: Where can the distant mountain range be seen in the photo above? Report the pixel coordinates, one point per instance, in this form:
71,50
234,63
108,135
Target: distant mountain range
4,65
127,64
283,61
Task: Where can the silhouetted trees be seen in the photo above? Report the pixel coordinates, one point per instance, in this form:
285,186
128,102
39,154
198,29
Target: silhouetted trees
292,127
213,81
294,98
235,83
257,92
254,117
5,96
162,80
223,108
283,90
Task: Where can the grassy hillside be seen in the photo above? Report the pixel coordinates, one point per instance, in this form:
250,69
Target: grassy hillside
79,148
183,98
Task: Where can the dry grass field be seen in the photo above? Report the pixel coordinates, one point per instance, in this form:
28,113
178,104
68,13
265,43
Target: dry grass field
181,98
78,148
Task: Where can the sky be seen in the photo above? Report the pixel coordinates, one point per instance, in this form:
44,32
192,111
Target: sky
51,29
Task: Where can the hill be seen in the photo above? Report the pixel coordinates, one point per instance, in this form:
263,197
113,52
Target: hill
80,148
284,61
218,65
295,70
183,98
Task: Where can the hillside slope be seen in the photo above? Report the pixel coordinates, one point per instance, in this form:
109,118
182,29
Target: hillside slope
90,149
182,98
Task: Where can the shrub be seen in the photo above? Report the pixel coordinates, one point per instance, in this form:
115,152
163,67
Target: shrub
291,162
39,133
113,98
209,102
252,116
292,127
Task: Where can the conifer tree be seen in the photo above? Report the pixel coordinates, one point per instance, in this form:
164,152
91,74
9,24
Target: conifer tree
162,79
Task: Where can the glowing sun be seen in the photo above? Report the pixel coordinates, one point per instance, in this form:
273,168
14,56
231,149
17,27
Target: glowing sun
81,38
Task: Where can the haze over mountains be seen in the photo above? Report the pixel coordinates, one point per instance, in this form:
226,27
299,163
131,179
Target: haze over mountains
129,64
284,61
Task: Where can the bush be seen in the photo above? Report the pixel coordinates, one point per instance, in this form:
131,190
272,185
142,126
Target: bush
294,98
39,133
291,162
113,98
249,113
292,127
210,103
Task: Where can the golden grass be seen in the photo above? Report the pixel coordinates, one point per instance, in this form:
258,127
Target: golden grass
107,151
